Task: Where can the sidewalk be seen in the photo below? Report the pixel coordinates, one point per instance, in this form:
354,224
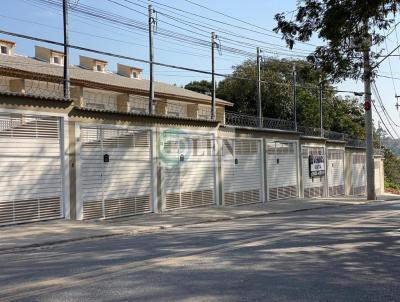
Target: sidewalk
13,238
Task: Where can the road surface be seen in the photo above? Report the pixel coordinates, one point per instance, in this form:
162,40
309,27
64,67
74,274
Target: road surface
347,253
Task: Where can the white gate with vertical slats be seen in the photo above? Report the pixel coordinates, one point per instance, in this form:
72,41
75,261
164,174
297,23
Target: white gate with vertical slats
188,169
31,180
242,171
335,172
282,179
312,186
358,174
115,171
377,163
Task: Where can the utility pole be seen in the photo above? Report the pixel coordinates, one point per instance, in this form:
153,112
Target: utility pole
321,108
151,59
66,80
213,45
295,96
259,105
371,195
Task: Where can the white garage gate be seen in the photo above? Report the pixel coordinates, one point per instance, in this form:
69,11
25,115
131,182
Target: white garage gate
115,172
31,180
312,186
282,176
377,163
358,174
335,172
188,169
241,171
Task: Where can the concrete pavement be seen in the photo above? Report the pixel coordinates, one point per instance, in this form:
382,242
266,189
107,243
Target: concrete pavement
13,238
347,253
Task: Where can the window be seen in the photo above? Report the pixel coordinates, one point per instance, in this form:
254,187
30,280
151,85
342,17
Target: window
99,67
56,60
134,74
94,105
4,50
176,110
204,113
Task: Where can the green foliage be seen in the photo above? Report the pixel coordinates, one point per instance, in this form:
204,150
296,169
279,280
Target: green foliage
203,86
343,25
392,144
391,167
340,114
391,185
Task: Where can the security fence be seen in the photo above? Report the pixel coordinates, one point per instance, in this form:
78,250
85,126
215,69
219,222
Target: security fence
245,120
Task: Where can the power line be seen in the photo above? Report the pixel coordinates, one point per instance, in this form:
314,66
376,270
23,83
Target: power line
121,56
219,21
376,92
157,63
236,19
376,110
385,57
117,19
384,108
391,71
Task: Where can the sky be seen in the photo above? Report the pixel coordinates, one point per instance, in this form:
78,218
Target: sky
31,17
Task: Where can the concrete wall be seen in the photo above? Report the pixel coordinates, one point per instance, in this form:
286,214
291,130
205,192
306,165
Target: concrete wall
156,125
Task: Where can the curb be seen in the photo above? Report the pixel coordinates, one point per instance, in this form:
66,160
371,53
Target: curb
155,229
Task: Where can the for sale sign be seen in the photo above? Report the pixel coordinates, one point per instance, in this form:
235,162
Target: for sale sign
316,165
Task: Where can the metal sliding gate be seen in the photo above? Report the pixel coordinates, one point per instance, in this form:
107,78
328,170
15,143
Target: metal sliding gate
378,189
312,186
31,181
241,171
115,172
282,176
188,169
335,170
358,174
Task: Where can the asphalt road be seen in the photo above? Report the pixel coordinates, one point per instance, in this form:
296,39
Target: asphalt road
333,254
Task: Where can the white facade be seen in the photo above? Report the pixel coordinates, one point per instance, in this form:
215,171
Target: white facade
242,171
31,168
358,174
312,186
115,172
282,169
335,172
188,169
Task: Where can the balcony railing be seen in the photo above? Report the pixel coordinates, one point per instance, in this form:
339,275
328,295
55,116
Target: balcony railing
309,131
241,120
338,136
271,123
354,142
251,121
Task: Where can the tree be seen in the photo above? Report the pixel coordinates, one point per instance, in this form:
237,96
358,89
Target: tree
392,168
202,86
342,25
340,114
276,89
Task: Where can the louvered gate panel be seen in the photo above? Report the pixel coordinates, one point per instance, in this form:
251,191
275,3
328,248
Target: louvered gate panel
377,176
242,171
281,169
30,168
335,171
313,187
358,174
120,186
188,169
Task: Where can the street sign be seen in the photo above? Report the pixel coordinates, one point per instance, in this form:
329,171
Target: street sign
316,165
